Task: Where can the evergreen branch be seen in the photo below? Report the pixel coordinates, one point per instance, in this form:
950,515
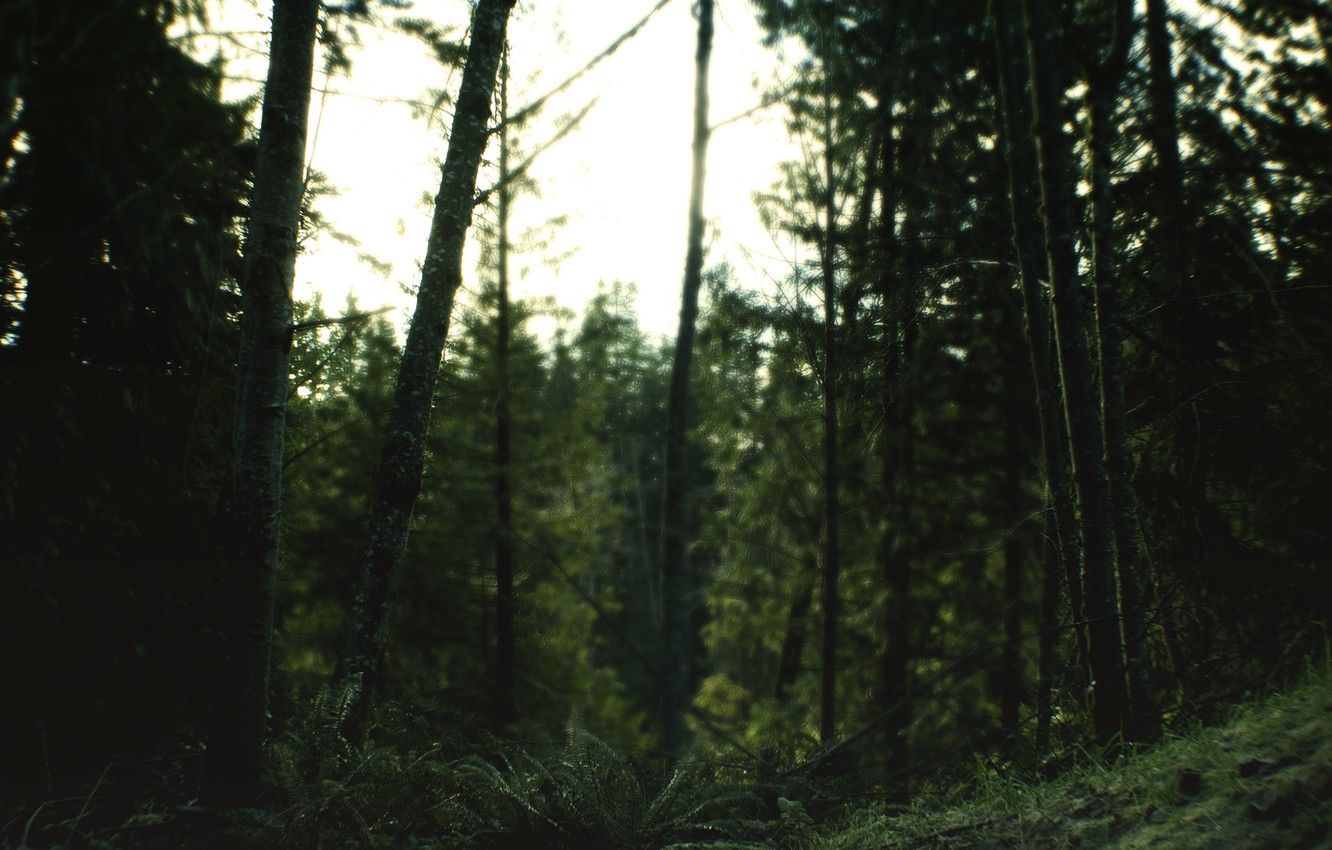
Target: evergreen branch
540,103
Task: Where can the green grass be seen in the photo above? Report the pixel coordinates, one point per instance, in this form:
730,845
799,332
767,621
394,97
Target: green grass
1261,780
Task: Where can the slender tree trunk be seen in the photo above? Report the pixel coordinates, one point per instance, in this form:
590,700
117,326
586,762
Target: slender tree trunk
1013,689
1047,658
1164,131
1081,402
855,382
901,520
1022,180
793,642
831,555
676,591
1144,724
505,711
247,580
890,554
402,458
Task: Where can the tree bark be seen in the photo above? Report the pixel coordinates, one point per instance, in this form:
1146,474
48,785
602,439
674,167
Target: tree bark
1047,657
1013,688
676,590
1081,403
1018,152
505,711
1164,131
402,458
831,509
793,641
247,579
1102,86
890,553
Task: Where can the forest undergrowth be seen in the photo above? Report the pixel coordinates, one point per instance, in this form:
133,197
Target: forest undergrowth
1260,779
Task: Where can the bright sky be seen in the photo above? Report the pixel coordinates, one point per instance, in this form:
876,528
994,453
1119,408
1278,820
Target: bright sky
622,178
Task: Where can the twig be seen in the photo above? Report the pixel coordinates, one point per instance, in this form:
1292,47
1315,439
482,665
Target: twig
83,811
521,170
301,327
540,103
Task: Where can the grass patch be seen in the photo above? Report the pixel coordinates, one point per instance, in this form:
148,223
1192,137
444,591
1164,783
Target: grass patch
1261,780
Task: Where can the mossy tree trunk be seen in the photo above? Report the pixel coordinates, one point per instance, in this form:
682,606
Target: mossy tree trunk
402,458
247,581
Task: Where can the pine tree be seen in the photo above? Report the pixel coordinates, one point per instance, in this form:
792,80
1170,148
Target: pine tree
402,458
677,586
248,576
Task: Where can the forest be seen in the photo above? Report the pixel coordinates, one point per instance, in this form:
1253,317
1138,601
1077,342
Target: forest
1017,481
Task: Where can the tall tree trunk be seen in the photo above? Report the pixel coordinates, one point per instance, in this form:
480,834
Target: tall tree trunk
505,711
1163,129
1047,657
1164,132
890,555
676,590
1081,402
1015,118
1144,724
402,458
1013,689
793,641
831,555
247,580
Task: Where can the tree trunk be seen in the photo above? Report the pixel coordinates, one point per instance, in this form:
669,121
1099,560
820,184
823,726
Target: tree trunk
505,711
676,591
1143,722
401,461
831,555
1013,689
1164,131
247,580
890,554
1047,657
1015,118
793,642
1081,403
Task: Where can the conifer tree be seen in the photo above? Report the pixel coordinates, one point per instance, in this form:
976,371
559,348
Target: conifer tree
676,577
248,577
402,459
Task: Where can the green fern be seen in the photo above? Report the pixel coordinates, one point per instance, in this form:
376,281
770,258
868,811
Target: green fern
585,794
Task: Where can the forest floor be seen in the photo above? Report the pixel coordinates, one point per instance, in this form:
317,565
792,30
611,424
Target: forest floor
1262,780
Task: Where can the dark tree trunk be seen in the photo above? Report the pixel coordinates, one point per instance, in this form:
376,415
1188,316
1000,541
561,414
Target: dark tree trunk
505,711
793,642
1013,688
677,594
890,552
1015,119
247,580
1102,86
831,555
1164,131
1047,658
1081,401
401,462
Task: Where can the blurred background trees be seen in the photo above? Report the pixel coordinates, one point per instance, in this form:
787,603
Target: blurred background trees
965,622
